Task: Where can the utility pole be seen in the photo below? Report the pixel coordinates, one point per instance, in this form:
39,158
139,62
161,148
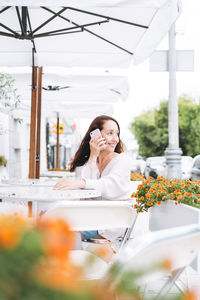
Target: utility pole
173,152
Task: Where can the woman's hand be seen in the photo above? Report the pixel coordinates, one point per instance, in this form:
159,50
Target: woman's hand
70,184
96,146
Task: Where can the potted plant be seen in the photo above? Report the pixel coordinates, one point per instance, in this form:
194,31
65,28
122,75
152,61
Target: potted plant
170,203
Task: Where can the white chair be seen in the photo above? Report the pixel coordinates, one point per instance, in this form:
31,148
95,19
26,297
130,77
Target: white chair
7,208
180,245
93,215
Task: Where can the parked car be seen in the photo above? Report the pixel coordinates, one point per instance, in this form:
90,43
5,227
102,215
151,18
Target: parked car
195,172
138,165
157,166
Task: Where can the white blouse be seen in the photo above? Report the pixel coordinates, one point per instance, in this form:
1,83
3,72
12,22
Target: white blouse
113,183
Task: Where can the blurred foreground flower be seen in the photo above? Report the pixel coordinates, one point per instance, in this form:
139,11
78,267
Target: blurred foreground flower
35,264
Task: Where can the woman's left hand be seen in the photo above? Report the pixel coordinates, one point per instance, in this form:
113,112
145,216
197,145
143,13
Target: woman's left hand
69,184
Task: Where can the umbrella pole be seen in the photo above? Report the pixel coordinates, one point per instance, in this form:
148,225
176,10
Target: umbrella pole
32,152
39,98
57,145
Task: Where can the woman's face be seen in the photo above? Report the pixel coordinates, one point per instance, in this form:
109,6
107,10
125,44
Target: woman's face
110,132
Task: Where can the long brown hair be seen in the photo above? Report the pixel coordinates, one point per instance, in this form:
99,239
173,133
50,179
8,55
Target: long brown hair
83,153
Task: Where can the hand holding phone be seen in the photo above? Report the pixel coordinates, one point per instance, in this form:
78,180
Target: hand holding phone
97,133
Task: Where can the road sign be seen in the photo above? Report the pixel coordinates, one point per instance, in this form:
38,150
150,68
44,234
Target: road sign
184,61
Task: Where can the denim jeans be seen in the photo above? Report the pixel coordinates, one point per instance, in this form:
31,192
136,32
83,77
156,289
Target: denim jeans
90,234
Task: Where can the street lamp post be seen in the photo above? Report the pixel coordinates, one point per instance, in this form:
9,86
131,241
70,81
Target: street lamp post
173,152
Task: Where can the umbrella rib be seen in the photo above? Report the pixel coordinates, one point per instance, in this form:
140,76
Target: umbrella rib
48,35
9,29
7,34
20,21
107,17
102,38
5,8
50,19
89,31
70,28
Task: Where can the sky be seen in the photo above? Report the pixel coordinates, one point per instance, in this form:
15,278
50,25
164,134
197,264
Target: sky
147,88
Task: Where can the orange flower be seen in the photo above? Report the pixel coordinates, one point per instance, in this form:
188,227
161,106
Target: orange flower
176,192
155,184
167,264
147,196
133,195
182,184
158,202
172,197
58,238
142,198
180,197
147,181
11,229
59,276
190,295
163,197
135,205
198,200
149,203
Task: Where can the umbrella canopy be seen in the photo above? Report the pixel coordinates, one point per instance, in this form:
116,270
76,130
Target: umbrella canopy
83,33
72,95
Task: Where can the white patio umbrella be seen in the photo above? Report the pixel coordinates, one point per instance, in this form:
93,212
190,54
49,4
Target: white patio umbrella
72,95
83,33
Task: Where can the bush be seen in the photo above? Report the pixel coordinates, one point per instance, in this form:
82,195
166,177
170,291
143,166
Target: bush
3,161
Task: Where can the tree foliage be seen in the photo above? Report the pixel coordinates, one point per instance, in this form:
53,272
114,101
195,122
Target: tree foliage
9,99
151,128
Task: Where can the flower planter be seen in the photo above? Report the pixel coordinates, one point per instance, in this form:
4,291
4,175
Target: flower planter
169,215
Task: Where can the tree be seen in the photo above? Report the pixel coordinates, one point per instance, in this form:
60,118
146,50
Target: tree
9,99
151,128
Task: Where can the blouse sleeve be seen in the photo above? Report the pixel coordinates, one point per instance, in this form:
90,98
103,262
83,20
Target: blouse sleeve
115,185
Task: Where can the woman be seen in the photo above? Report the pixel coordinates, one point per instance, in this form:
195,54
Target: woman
101,164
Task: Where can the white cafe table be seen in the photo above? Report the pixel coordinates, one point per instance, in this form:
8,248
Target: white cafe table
38,198
31,182
58,174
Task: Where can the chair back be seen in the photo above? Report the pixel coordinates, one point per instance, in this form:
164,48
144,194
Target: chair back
180,245
92,215
7,208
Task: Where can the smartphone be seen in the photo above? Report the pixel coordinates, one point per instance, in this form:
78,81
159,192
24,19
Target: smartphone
95,133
